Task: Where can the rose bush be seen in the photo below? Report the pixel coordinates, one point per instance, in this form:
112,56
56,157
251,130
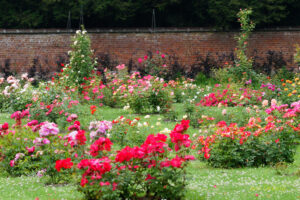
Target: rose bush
260,142
145,171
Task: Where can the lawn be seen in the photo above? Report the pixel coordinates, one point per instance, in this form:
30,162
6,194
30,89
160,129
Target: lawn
204,182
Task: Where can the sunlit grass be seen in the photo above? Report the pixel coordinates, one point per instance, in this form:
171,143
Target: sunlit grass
245,183
31,188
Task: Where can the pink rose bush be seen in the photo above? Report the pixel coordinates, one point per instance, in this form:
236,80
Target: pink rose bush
48,129
134,89
99,128
231,97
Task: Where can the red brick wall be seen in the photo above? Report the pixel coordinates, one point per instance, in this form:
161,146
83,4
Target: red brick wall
47,48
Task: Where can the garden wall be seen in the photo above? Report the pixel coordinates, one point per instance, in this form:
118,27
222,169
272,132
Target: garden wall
43,50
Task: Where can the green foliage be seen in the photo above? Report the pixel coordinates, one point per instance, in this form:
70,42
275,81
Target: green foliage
256,151
10,146
202,79
247,27
265,13
171,115
222,75
243,65
127,133
156,100
297,55
109,99
283,73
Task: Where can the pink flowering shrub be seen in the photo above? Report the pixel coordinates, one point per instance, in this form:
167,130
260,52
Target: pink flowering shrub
99,128
34,148
48,129
143,94
231,97
60,110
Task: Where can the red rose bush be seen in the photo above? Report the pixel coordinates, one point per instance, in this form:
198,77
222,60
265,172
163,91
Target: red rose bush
145,171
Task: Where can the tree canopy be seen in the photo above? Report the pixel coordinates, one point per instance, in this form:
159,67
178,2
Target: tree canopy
219,14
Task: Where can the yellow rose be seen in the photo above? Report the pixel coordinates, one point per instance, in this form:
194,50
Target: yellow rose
296,79
294,85
294,91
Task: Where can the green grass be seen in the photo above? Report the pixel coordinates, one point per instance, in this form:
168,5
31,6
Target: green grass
30,188
244,183
203,182
4,117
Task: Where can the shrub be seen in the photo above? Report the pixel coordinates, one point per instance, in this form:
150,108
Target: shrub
16,93
27,151
154,65
231,96
290,91
202,79
127,132
258,143
39,148
139,172
151,96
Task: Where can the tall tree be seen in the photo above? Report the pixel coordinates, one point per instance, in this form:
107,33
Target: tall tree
138,13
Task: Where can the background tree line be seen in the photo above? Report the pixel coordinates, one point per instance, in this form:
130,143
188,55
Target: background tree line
219,14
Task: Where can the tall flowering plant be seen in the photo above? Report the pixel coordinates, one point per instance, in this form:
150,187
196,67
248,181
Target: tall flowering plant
81,62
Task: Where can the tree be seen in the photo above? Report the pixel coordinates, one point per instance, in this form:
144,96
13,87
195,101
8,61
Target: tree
136,13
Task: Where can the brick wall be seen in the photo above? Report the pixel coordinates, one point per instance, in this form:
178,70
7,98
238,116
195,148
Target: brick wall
20,50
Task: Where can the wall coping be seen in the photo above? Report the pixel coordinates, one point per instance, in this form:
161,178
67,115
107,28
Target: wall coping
135,30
